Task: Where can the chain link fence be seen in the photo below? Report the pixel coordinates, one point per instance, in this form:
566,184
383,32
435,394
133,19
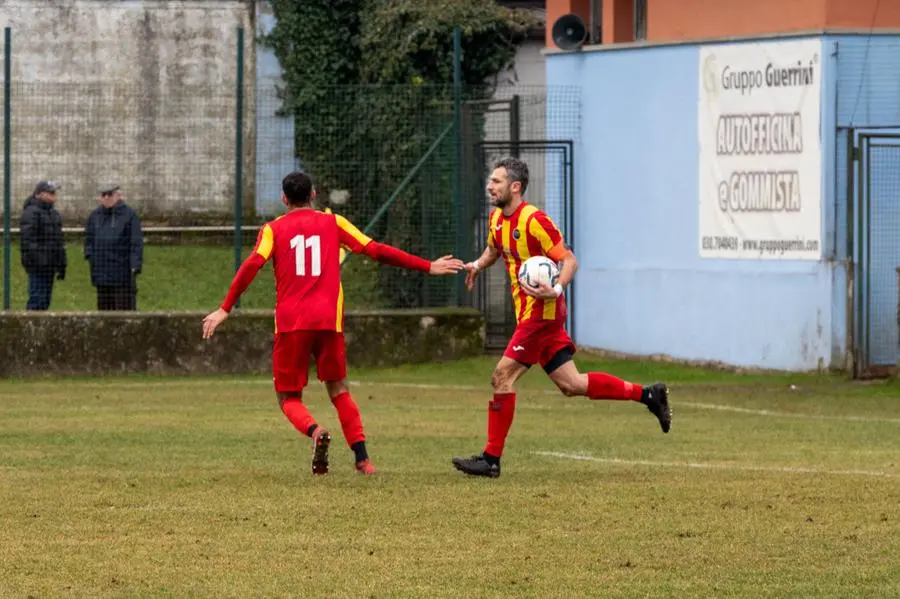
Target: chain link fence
877,248
383,156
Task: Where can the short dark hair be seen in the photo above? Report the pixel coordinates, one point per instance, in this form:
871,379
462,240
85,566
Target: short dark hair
297,188
516,170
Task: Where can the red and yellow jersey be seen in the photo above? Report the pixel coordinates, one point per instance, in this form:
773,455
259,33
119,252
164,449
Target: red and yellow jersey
305,247
343,249
525,233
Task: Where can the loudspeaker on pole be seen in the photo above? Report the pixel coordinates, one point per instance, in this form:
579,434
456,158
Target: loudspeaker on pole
569,32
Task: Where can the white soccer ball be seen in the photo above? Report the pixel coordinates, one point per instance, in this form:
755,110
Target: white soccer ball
539,269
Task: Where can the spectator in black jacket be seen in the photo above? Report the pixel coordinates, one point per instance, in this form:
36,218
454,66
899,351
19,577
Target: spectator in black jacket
114,247
43,250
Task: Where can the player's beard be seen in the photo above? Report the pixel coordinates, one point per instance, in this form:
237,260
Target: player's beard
502,200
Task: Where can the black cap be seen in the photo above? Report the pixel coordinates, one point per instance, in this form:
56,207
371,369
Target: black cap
45,186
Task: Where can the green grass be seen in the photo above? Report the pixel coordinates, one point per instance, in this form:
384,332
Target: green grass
767,486
185,277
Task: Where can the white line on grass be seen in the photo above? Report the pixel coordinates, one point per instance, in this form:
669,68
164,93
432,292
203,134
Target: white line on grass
676,403
774,414
707,466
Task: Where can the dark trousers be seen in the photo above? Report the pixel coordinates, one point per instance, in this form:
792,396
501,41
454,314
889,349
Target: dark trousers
40,288
116,298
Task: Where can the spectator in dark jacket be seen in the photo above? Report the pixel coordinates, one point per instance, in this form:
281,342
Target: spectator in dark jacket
114,247
43,250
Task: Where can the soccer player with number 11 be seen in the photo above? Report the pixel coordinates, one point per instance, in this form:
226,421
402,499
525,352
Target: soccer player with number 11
304,246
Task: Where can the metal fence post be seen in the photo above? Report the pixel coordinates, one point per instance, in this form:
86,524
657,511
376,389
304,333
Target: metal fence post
239,151
515,124
7,177
457,153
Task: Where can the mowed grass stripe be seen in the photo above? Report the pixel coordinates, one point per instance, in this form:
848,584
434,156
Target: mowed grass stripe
174,488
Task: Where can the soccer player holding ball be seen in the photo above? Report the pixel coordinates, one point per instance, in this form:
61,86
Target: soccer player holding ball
519,231
305,246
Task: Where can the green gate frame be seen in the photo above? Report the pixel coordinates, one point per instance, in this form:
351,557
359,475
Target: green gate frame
860,142
497,331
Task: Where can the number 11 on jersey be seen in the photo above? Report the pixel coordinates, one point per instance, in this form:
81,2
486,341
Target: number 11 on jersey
299,244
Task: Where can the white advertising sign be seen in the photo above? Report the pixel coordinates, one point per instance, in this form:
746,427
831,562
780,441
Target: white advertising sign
760,154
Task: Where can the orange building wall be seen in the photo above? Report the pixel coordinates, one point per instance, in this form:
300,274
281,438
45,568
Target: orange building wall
861,14
617,21
671,20
678,20
558,8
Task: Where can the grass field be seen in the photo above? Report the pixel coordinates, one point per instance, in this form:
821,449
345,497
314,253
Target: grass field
767,486
185,277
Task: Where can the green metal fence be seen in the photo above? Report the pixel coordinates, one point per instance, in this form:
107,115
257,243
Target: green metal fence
873,176
191,162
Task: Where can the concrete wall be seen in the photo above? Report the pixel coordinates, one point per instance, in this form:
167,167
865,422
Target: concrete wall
642,287
36,344
139,92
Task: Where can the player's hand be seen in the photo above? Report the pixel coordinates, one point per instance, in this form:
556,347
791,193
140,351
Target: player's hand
471,274
446,265
212,321
542,291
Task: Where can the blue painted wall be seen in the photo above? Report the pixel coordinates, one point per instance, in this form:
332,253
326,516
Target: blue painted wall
642,287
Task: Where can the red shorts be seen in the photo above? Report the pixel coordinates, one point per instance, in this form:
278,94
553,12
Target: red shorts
537,341
292,351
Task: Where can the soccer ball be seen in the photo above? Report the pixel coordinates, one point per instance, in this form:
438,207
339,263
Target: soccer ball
539,269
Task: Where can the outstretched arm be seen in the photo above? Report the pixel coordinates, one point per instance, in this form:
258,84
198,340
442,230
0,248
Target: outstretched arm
388,254
241,281
358,242
486,260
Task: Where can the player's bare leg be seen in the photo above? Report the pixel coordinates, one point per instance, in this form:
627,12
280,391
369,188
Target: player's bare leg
501,411
293,408
351,424
599,385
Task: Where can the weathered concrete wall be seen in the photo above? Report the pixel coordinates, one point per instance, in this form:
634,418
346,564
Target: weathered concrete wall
142,93
33,344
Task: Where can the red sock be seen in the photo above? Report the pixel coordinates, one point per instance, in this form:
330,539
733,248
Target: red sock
299,416
351,421
500,417
606,386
